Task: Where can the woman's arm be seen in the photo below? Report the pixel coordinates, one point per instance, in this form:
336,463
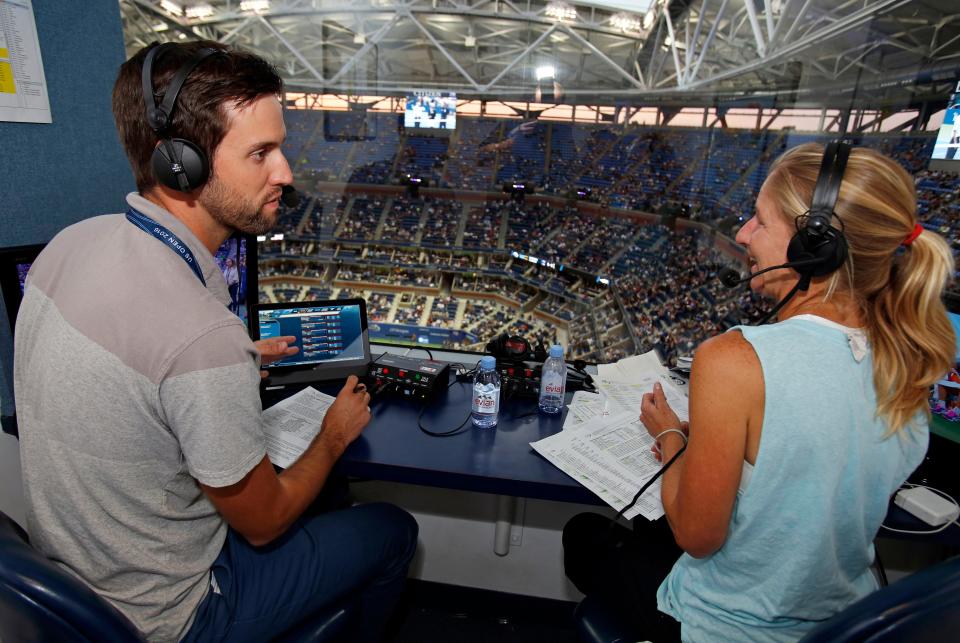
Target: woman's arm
726,400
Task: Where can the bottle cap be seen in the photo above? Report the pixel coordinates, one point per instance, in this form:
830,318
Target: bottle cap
556,350
488,362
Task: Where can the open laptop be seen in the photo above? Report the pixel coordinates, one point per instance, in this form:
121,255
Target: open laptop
332,336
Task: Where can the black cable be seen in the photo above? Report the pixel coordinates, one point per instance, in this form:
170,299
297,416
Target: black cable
442,434
781,304
646,485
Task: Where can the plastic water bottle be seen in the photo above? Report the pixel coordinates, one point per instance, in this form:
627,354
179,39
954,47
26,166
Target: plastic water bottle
486,393
553,381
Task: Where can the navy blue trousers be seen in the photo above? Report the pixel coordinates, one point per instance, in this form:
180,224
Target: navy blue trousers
362,551
623,568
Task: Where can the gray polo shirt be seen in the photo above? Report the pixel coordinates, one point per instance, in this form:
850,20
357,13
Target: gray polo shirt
133,381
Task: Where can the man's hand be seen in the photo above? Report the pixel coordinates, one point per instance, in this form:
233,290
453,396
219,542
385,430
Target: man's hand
275,348
264,504
347,416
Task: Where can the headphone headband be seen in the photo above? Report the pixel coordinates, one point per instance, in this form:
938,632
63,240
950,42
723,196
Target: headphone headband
832,167
819,247
160,116
177,163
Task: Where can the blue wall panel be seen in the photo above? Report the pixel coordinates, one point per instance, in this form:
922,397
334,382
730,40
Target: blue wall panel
52,175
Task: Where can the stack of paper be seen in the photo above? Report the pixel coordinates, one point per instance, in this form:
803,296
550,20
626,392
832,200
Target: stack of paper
291,425
604,446
620,389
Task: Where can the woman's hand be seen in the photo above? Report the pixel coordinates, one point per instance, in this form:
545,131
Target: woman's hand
657,416
275,348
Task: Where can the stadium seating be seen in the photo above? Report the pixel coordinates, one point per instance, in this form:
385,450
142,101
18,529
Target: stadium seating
665,293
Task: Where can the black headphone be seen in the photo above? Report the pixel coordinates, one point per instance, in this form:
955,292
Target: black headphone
514,348
177,163
816,242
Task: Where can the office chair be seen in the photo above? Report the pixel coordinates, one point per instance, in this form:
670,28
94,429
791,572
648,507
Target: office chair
921,608
596,624
40,601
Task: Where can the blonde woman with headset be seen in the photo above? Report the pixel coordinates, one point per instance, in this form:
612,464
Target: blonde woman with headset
800,430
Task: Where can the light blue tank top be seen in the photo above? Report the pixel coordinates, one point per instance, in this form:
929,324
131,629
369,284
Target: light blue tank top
800,540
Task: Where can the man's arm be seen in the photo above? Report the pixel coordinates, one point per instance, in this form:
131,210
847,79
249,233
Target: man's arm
263,505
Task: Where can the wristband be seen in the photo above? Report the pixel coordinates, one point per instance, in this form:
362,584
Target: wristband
666,431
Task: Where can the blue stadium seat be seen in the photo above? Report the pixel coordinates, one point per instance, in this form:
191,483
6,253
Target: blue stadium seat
40,601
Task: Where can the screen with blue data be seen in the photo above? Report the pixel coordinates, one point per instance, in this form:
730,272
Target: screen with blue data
946,149
328,333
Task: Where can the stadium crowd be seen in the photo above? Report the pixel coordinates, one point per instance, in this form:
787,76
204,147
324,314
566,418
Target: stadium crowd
664,292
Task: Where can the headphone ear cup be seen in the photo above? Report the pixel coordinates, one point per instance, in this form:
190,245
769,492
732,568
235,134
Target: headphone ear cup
180,165
797,250
496,345
833,250
828,248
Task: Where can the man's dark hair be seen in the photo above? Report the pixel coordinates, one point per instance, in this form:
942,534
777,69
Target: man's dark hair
235,78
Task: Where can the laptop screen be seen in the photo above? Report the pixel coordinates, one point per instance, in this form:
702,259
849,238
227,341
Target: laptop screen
327,332
14,265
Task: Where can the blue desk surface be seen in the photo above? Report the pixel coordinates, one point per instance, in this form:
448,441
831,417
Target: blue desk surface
499,460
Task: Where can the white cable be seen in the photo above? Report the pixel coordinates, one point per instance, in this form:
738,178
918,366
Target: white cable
910,485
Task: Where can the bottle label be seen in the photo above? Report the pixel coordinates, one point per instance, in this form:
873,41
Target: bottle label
486,401
552,385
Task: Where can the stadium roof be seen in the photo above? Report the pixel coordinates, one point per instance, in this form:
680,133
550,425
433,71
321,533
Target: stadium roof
879,53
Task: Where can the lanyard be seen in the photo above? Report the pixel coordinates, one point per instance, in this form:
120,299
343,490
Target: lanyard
150,226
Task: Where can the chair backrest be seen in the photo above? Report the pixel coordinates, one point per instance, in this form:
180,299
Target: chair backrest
923,607
40,601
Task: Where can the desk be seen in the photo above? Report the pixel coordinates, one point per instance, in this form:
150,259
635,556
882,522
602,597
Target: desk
498,461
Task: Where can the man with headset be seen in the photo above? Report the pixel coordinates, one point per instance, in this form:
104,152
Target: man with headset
144,460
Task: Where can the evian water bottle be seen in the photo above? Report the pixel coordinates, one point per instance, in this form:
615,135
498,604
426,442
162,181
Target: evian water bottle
486,393
553,381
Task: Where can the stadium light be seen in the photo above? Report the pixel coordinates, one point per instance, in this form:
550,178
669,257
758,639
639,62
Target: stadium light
257,6
199,11
160,26
469,41
359,39
560,11
626,22
648,19
171,7
546,72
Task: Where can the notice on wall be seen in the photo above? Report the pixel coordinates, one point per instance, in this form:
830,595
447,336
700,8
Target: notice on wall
23,88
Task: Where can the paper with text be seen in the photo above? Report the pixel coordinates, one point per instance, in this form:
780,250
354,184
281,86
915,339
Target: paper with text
584,406
629,369
291,425
612,459
623,397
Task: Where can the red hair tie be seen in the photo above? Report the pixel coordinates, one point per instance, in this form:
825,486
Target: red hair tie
917,229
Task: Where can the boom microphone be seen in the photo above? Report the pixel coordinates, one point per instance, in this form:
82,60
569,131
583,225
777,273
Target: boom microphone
289,197
731,278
